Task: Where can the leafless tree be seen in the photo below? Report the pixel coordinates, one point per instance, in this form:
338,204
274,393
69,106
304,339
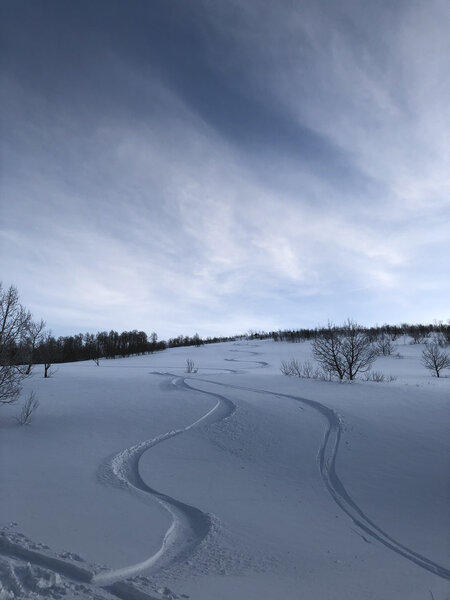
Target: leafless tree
48,352
357,349
327,350
15,323
29,407
34,336
344,351
435,359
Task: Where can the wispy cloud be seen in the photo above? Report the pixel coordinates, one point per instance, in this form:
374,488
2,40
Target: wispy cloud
263,168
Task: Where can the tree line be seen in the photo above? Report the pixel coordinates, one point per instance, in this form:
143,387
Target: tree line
104,344
418,333
90,346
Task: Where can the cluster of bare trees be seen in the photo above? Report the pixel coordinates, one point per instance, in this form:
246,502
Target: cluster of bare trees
417,334
19,337
349,350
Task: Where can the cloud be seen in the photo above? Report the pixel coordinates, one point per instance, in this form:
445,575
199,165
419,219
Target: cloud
266,168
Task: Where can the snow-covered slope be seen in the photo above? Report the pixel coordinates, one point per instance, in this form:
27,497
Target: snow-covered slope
137,480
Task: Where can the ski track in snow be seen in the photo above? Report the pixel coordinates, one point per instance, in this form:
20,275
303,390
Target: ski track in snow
189,524
327,456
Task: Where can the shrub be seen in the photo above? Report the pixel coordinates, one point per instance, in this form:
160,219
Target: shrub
385,345
29,407
306,370
379,377
190,366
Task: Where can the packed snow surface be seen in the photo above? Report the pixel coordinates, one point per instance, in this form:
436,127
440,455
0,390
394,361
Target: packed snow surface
137,480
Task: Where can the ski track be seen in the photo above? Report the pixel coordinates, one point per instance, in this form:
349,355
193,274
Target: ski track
189,524
327,456
261,363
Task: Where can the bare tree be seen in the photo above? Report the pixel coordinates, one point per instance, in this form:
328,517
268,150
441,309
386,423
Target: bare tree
30,405
48,352
357,349
34,336
326,349
344,351
435,359
15,323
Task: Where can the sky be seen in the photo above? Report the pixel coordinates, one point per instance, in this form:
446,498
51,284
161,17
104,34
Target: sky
214,167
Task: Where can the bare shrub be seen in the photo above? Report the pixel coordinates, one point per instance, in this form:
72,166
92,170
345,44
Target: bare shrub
308,370
291,368
440,339
376,376
190,366
379,377
29,407
385,345
434,359
305,370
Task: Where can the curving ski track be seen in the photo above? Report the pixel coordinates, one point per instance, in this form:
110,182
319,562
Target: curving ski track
261,363
189,524
327,456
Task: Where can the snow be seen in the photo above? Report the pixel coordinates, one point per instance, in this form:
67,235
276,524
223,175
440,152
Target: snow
138,480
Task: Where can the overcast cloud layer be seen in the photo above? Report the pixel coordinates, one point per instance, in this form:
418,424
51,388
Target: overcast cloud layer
217,166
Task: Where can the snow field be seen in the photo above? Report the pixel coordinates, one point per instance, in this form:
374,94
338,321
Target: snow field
228,481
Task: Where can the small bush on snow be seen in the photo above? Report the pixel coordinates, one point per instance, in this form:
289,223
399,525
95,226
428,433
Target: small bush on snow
378,377
306,370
